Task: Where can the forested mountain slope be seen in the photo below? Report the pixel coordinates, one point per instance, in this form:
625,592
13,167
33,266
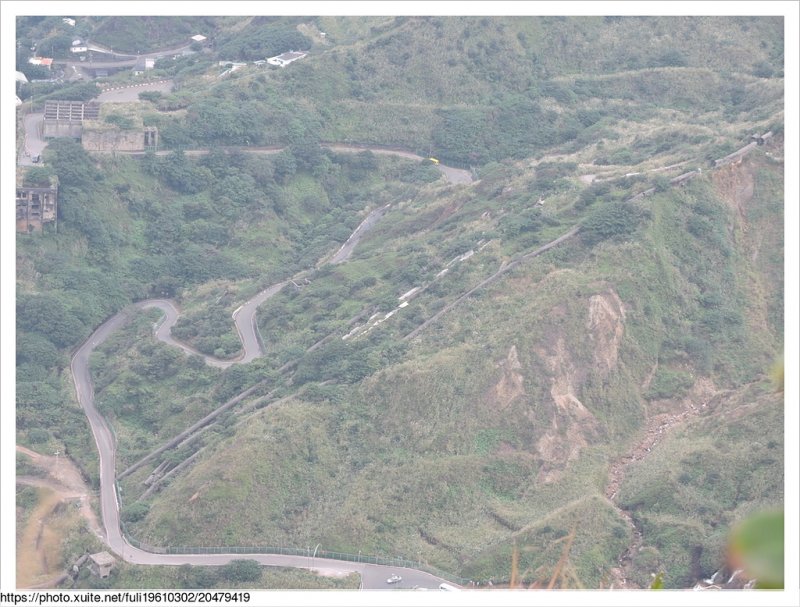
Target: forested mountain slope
615,385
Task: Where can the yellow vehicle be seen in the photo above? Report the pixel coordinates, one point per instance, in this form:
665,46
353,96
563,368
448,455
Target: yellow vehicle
434,160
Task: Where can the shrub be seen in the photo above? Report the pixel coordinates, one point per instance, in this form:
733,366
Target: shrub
123,122
241,570
672,57
612,220
38,176
135,512
153,96
669,383
38,435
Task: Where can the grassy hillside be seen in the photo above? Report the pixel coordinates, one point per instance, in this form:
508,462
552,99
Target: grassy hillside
500,424
130,229
471,90
704,478
496,425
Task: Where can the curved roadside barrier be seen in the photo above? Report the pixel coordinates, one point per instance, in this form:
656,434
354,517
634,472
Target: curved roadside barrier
370,568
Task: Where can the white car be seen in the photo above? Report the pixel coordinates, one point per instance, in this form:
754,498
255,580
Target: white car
393,579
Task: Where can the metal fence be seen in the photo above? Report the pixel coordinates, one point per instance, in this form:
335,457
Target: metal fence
291,551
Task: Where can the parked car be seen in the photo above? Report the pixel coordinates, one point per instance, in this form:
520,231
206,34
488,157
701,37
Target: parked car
393,579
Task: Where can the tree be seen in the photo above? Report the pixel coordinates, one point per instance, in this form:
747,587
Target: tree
284,165
135,512
38,176
183,175
72,164
49,315
55,46
36,349
241,570
219,121
260,40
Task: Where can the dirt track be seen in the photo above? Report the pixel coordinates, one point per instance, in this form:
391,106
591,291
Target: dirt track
65,480
39,545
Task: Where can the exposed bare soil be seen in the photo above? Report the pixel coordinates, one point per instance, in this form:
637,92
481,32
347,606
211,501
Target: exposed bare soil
39,543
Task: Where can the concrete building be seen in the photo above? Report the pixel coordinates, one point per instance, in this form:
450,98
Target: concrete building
36,206
65,118
143,64
101,563
286,58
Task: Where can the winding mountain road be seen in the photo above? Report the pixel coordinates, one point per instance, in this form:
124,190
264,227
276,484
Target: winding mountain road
372,576
243,318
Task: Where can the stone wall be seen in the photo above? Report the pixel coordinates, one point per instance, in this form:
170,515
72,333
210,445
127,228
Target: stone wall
61,128
113,140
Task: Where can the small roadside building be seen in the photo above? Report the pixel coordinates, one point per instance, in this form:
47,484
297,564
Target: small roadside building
285,59
143,64
101,564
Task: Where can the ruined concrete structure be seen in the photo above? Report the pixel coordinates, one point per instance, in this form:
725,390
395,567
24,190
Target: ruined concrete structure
114,139
95,125
101,563
36,206
119,128
66,118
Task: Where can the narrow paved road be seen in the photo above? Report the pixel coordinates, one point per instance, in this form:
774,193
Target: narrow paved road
344,253
131,93
373,576
243,318
131,61
35,144
452,174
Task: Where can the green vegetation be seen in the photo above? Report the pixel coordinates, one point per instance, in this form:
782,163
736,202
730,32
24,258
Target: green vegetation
496,426
612,220
187,576
599,534
669,383
262,39
701,480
